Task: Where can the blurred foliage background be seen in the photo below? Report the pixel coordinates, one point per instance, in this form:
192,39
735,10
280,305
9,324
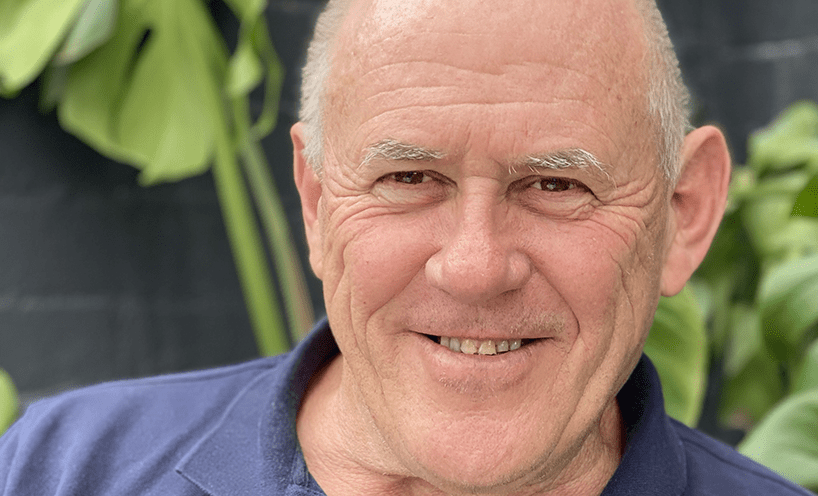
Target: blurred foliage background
157,85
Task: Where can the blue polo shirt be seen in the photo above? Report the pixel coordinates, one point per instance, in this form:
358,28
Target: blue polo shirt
231,431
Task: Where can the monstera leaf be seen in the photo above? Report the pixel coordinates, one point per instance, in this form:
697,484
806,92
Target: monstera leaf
30,33
151,96
152,83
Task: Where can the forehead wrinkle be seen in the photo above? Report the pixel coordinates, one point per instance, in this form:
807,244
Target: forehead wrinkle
391,149
423,76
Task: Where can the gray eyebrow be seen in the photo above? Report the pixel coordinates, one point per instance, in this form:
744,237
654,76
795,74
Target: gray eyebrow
390,149
570,158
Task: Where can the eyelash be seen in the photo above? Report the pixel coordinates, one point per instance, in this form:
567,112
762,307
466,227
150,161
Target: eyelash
410,177
557,184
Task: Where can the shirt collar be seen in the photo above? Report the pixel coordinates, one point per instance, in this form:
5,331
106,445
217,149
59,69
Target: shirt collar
253,449
654,459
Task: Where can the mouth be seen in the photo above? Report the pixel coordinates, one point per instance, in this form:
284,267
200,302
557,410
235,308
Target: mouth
480,346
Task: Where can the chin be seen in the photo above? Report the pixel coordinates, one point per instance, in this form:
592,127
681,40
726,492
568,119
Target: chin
478,467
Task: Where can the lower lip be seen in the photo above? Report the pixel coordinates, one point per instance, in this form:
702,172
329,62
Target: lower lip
476,373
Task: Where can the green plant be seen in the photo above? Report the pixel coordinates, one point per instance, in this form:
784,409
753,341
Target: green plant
151,83
678,347
760,282
758,293
8,401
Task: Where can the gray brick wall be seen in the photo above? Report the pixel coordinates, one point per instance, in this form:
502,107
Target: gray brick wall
746,60
102,279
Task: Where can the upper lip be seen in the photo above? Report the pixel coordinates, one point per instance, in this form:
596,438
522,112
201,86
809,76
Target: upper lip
484,336
531,327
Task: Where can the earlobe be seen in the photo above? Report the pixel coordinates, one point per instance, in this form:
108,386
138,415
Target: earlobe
309,188
697,205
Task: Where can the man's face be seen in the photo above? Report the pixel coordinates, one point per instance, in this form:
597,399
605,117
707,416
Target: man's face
455,203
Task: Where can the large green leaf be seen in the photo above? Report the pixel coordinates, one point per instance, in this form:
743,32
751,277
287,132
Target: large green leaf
752,379
749,395
730,273
175,93
767,215
151,95
789,306
30,32
787,439
677,345
791,141
745,338
807,376
8,401
806,204
98,84
94,26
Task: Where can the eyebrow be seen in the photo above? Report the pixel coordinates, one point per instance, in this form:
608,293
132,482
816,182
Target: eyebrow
390,149
569,158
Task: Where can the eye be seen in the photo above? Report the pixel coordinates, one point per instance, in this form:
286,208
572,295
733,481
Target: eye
409,177
416,187
554,196
555,184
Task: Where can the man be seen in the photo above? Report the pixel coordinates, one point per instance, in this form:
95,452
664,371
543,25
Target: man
495,196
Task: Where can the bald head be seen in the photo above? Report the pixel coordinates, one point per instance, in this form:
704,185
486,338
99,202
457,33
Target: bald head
350,34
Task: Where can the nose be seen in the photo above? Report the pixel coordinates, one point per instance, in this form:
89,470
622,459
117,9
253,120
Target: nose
481,258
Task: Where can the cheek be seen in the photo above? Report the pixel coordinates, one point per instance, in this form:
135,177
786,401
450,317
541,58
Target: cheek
585,272
607,278
373,260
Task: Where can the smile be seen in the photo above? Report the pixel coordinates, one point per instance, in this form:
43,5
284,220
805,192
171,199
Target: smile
480,347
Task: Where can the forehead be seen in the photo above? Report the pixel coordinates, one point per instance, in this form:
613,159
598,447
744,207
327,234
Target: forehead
554,65
556,27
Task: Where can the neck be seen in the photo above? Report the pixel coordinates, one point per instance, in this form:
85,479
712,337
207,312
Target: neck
346,454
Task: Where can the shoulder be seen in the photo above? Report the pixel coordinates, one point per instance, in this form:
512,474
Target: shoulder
713,468
174,399
137,428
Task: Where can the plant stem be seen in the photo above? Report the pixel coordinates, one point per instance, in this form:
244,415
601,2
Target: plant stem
293,286
254,274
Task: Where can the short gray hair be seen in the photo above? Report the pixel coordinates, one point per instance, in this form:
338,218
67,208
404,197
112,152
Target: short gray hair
668,99
314,78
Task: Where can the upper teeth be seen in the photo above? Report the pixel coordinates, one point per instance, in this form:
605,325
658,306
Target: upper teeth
483,347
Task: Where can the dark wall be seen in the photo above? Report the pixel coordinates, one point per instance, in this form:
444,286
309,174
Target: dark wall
102,279
745,60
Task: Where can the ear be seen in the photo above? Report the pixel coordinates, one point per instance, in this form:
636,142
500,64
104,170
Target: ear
697,205
309,188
